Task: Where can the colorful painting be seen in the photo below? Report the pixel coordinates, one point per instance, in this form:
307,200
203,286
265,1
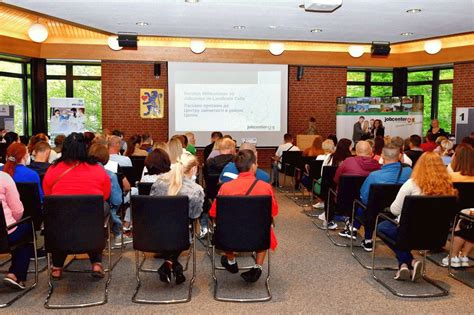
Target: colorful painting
152,103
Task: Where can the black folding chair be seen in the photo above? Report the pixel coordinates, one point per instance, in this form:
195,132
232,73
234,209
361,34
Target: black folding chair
314,174
3,151
161,224
347,191
6,248
144,188
327,182
470,237
381,196
300,169
130,175
75,224
242,224
212,186
138,163
424,225
289,160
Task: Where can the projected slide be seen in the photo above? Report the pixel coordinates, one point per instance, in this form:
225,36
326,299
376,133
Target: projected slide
241,100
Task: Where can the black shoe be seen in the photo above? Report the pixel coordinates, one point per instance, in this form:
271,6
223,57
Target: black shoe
234,268
252,275
165,273
367,245
17,285
40,253
178,273
347,233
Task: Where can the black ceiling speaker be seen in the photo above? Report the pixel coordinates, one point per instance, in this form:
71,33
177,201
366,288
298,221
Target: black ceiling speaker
128,40
380,48
299,73
157,70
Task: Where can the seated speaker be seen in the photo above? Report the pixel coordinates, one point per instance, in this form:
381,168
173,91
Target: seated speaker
380,48
128,40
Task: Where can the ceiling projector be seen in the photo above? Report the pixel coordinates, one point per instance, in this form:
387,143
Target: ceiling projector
322,5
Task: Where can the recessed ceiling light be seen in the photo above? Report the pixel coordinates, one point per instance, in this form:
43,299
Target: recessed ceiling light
414,11
301,6
238,27
407,34
142,23
272,27
316,30
191,1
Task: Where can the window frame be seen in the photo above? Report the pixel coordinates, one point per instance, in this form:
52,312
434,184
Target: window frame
368,83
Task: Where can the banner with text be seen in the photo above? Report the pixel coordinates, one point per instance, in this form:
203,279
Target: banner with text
399,116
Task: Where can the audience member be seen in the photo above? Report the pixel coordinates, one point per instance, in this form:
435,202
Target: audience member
333,137
13,211
399,142
328,148
123,143
446,151
53,156
89,138
392,172
208,149
435,130
74,173
246,184
430,143
17,155
379,143
58,144
156,163
415,151
216,150
429,178
227,151
40,162
179,181
285,147
316,148
191,148
161,145
114,143
231,172
133,146
463,243
11,137
462,164
175,150
147,143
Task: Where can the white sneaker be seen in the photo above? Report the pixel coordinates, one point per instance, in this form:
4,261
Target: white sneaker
455,262
330,226
319,205
465,261
322,216
203,232
126,240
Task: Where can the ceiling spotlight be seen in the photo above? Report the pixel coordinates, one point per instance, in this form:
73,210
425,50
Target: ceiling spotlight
142,23
356,51
316,30
191,1
197,46
276,49
433,46
38,32
414,11
238,27
407,34
112,41
272,27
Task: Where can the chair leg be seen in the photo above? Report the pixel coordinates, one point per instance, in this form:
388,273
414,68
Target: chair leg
82,305
450,268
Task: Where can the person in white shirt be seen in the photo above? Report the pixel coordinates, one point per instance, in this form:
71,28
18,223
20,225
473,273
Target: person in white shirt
286,146
114,144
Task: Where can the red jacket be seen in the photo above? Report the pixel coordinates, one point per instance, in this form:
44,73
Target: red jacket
428,146
85,179
239,187
356,165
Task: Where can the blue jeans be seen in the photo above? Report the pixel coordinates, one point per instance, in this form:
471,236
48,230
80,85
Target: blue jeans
116,222
21,254
391,230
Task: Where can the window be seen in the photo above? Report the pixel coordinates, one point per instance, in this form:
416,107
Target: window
369,83
81,81
437,87
14,91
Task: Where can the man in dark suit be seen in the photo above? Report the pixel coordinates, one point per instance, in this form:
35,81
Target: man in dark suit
357,132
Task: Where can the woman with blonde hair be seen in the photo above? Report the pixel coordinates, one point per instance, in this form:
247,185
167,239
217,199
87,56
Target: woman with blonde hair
216,150
175,150
316,148
429,178
179,181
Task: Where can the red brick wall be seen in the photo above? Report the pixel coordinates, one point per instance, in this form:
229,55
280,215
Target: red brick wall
315,95
463,87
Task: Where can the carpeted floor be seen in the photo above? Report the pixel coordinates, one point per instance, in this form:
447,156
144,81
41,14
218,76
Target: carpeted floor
308,275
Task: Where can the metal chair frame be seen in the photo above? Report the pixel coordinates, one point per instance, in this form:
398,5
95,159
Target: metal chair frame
328,234
442,291
22,293
139,268
108,270
459,216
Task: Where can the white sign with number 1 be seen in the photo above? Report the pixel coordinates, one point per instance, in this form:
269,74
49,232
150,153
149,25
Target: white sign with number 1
462,116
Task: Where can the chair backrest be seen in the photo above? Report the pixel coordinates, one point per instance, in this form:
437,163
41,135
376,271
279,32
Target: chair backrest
315,169
302,161
130,175
160,223
290,157
29,196
425,222
243,223
74,224
327,180
144,188
348,190
4,247
381,196
212,186
138,163
3,151
465,195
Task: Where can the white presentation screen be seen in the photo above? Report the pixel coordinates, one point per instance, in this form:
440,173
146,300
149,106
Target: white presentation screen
243,100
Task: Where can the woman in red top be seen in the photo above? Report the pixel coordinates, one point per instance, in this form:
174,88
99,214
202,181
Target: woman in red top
246,163
74,173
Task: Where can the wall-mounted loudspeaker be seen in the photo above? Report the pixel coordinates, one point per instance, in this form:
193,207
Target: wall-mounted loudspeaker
380,48
128,40
157,70
299,73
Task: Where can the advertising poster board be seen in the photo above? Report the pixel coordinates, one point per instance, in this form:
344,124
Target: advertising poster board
67,115
7,113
